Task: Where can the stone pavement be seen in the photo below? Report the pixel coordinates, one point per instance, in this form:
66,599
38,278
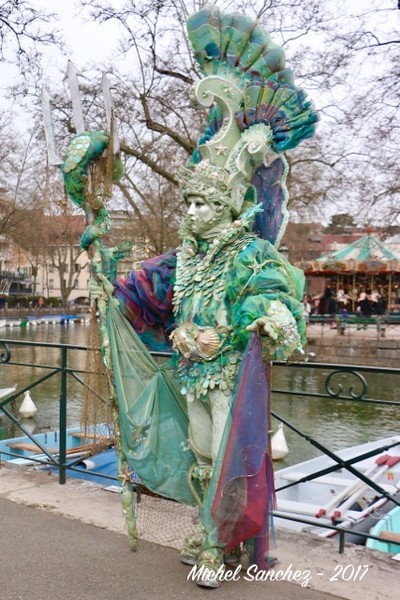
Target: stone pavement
63,542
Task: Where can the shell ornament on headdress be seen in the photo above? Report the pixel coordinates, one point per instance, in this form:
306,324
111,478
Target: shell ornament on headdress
256,114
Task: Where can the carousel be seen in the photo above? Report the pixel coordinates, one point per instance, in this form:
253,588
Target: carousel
365,266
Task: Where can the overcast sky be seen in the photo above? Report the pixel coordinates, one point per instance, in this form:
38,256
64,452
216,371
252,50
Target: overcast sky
91,44
85,41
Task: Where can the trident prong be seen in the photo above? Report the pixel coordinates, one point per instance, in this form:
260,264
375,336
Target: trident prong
109,108
72,74
53,157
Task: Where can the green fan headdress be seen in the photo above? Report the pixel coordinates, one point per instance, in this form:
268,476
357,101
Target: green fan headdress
256,113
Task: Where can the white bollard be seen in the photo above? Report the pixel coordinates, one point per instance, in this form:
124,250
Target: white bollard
28,408
279,446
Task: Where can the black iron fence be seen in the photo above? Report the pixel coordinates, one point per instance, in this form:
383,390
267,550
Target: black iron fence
382,326
338,383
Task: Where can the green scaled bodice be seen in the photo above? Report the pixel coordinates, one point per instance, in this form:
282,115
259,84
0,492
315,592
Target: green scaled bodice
219,290
200,298
199,290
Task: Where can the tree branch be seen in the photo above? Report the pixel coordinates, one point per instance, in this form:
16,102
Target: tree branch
162,128
175,74
144,158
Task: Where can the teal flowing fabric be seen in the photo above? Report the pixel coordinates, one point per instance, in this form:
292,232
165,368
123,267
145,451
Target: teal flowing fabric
153,417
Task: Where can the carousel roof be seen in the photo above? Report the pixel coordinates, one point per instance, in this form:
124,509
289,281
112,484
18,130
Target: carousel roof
368,254
363,249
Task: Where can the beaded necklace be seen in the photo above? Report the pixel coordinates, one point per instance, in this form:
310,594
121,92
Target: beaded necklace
205,273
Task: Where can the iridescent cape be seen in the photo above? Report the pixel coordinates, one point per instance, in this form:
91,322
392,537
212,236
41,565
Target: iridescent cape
154,432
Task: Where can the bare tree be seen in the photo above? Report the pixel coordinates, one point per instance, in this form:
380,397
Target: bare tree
344,55
21,176
31,237
24,32
340,54
62,249
49,235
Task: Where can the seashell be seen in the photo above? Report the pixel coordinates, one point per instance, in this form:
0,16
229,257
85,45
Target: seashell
183,339
208,341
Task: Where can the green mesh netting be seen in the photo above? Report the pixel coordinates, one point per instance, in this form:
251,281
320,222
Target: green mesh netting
153,417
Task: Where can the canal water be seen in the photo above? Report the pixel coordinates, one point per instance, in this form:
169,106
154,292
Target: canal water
334,423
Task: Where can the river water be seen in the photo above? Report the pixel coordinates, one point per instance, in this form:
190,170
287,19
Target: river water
333,423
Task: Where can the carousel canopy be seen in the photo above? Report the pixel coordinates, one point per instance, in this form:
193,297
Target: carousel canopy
366,255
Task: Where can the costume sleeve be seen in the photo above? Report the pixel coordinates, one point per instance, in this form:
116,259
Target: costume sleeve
261,279
145,298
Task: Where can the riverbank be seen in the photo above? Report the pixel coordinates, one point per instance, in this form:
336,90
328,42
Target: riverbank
46,311
370,347
37,320
26,319
155,571
375,346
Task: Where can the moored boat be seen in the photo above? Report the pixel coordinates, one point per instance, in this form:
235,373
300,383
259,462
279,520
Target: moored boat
82,449
325,493
4,392
388,530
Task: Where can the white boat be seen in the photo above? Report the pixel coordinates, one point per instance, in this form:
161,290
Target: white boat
337,496
4,392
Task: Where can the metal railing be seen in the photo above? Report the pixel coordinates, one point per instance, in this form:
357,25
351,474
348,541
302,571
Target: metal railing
348,325
344,383
340,383
57,460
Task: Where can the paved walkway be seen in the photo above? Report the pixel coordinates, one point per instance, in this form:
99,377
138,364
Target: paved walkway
63,542
49,557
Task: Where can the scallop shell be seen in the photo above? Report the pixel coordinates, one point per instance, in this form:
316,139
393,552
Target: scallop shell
208,342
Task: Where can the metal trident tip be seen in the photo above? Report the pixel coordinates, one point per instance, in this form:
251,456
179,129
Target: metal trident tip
109,108
72,76
53,157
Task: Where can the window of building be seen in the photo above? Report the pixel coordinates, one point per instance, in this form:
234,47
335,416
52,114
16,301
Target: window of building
51,284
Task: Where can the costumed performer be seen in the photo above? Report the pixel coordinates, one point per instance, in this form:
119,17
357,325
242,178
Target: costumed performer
225,281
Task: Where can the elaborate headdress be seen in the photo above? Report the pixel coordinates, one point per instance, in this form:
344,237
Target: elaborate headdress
212,182
256,113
